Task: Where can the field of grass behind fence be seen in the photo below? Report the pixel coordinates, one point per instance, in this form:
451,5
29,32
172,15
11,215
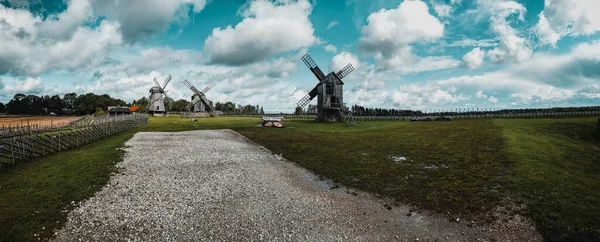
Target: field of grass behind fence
463,167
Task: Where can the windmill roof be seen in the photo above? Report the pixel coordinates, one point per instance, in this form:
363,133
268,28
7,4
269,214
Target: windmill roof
119,109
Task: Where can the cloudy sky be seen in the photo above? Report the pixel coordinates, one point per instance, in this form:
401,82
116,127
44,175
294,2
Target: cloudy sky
424,54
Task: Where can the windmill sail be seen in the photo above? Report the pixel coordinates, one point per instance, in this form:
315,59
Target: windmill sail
310,63
167,82
306,99
345,71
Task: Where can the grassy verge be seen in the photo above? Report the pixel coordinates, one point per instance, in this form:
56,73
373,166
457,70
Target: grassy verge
556,168
35,196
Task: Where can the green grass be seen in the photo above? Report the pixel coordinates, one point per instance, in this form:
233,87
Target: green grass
33,195
464,168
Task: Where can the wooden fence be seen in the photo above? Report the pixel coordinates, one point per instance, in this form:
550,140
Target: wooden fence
30,141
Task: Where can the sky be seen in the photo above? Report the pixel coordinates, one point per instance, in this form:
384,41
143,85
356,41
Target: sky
411,54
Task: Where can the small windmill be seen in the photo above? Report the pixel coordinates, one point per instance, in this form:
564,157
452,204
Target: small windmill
329,92
199,101
156,101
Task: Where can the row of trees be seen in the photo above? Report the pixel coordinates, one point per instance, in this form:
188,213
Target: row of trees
70,103
90,103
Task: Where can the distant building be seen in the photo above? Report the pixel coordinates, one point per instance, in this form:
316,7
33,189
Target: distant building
114,111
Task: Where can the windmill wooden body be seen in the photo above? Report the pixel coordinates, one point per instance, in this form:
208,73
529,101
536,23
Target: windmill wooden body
329,92
199,101
156,100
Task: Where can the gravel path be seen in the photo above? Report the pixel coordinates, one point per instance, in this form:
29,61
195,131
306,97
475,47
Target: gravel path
217,185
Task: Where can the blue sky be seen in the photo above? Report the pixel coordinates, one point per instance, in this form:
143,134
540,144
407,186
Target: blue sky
411,54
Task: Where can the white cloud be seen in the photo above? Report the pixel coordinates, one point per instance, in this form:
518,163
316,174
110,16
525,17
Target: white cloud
479,94
341,60
474,59
332,24
141,18
442,10
577,17
331,48
267,29
11,86
471,42
415,96
389,33
511,46
63,25
542,79
146,60
29,47
545,33
493,99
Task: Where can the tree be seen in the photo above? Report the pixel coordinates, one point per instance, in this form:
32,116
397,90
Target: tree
298,111
228,107
143,104
168,103
55,104
180,105
219,106
2,108
99,112
262,111
69,102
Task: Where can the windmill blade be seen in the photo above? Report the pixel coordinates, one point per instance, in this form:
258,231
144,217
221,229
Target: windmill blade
310,63
156,82
192,87
210,86
306,99
167,81
345,71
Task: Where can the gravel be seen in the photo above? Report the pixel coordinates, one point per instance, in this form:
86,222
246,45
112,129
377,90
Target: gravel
216,185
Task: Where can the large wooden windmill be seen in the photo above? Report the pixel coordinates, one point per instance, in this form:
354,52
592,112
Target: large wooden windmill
199,101
329,92
156,101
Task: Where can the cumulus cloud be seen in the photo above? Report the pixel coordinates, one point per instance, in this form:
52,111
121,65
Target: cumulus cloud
142,18
11,86
545,33
442,10
268,29
29,46
474,59
543,78
331,48
146,60
415,96
342,59
511,47
577,17
390,32
567,17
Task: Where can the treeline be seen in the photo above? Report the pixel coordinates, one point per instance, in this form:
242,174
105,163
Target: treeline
358,110
69,104
232,108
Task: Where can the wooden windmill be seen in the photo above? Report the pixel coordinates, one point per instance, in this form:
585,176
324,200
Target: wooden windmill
329,92
156,101
199,101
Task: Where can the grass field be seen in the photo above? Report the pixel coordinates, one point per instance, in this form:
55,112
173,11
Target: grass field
42,120
464,168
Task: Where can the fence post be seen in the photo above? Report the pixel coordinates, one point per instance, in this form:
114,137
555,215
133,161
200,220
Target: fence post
59,132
